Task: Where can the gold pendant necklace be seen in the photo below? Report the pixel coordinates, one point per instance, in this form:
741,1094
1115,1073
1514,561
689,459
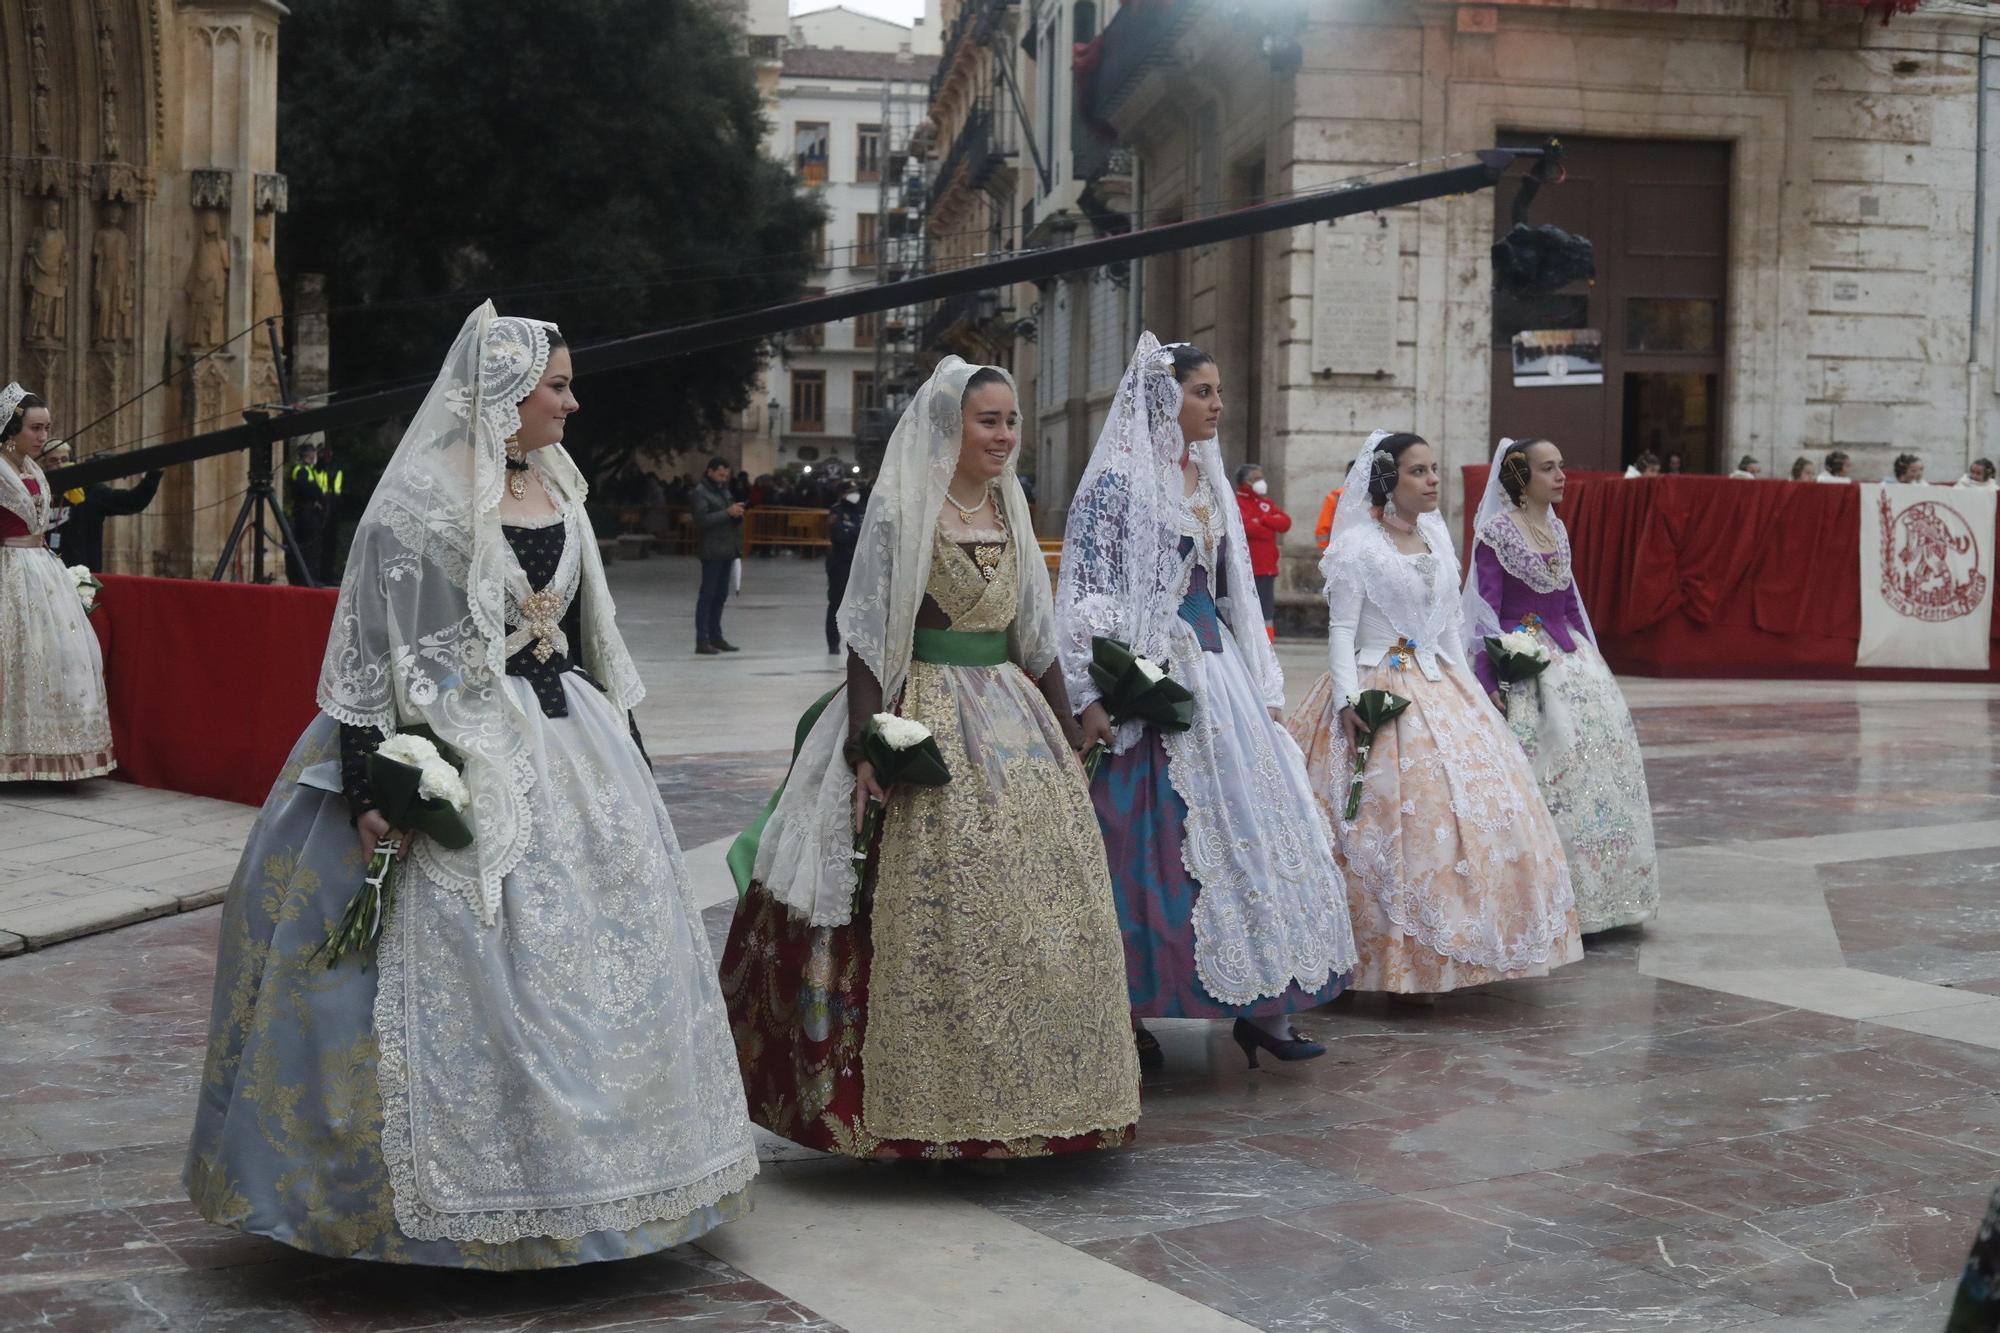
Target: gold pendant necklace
517,470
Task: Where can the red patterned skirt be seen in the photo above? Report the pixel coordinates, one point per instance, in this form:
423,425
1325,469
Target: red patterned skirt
798,1004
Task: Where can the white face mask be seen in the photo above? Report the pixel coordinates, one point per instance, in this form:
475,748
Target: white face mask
852,497
1260,487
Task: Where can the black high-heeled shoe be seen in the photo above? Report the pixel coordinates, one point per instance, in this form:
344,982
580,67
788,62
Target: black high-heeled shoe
1150,1054
1253,1038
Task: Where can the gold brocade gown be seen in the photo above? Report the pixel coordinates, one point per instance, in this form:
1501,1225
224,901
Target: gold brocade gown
976,1003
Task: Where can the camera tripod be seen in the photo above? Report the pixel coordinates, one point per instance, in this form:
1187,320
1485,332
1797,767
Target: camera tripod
256,500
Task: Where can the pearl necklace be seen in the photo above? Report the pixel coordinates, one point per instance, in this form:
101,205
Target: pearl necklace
966,512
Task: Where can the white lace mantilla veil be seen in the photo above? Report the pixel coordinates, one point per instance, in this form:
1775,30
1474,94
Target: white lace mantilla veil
1121,564
805,859
1357,547
419,631
15,497
1482,618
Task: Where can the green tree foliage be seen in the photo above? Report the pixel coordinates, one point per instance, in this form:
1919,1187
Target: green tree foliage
594,162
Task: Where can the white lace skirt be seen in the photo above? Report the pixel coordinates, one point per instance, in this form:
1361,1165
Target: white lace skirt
55,721
1272,911
1578,734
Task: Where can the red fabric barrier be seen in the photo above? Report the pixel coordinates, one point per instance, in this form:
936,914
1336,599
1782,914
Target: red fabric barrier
1713,577
210,683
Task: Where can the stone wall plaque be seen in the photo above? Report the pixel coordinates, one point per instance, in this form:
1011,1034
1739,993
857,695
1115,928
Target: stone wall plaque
1357,280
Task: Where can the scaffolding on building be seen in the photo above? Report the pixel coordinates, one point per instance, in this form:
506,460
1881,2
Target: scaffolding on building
901,192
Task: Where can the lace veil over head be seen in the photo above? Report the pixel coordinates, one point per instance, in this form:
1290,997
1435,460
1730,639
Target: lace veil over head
1121,564
1492,527
805,858
419,631
15,497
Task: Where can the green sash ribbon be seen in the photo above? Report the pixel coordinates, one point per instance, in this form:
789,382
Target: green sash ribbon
952,647
742,857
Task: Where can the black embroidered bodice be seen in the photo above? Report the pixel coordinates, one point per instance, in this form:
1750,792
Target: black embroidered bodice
540,552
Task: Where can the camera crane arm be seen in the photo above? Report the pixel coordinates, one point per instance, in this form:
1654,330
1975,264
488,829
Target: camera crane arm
659,345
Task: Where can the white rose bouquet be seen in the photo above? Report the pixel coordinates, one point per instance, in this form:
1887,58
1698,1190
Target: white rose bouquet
87,586
1134,687
1517,656
417,783
902,751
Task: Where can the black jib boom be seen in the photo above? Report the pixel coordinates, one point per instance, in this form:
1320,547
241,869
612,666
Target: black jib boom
1031,266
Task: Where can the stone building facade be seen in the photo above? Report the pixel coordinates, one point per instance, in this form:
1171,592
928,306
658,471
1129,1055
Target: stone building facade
137,194
1789,203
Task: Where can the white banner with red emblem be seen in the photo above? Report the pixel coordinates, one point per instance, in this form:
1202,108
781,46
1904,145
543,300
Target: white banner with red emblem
1926,577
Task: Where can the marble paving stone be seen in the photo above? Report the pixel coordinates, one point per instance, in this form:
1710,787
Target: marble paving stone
1800,1260
1570,1293
1096,1196
1262,1271
83,1181
87,914
1405,1154
1916,1310
1978,1024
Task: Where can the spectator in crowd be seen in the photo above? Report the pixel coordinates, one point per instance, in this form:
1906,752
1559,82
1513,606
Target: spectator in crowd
1323,530
1978,477
739,487
1674,465
1908,469
80,540
843,530
1646,464
1263,524
1802,469
718,526
1748,468
1836,469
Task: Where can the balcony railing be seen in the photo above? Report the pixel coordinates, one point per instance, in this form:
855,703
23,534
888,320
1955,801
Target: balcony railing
980,151
1140,37
974,22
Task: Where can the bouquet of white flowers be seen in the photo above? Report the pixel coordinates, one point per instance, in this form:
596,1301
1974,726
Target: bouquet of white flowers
1517,656
417,784
901,750
1131,688
87,585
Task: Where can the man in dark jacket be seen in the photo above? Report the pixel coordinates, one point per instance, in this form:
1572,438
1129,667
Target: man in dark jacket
718,536
843,530
80,540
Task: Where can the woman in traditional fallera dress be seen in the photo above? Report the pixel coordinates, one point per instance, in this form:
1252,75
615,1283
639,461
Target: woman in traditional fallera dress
55,720
1570,719
1228,895
1455,872
959,993
535,1069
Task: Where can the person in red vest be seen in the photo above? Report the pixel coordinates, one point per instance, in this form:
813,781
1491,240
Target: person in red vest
1263,524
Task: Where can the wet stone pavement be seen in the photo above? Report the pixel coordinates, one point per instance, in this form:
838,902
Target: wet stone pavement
1777,1107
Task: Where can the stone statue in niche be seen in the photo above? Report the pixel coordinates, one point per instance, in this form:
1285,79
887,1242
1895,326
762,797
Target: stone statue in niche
112,147
208,285
45,275
111,295
267,300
